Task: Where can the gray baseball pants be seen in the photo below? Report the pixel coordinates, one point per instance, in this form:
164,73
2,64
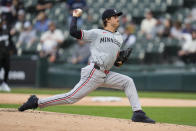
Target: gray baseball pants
91,79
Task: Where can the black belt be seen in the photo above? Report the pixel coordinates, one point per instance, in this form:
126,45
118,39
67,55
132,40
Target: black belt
98,68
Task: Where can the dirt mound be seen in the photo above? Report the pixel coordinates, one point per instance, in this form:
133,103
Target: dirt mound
9,98
12,120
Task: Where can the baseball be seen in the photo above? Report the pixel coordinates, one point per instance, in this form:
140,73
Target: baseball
77,12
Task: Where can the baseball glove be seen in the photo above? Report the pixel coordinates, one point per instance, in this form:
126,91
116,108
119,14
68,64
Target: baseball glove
123,57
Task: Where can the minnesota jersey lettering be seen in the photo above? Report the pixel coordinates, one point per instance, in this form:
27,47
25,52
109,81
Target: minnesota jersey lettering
107,39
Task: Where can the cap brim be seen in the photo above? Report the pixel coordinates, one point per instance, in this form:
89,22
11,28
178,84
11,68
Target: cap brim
119,13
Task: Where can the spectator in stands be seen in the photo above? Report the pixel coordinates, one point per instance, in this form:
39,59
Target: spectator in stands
193,14
17,5
27,36
128,36
42,23
42,5
188,27
188,51
74,4
191,18
176,31
19,24
167,28
148,24
50,41
81,53
158,29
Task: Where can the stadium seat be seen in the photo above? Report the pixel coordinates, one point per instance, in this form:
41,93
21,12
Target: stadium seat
137,55
28,3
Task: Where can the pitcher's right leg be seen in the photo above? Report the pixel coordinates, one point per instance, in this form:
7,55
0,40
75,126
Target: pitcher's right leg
90,80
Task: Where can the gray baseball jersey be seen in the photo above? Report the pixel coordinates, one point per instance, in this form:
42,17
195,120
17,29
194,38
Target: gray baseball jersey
105,46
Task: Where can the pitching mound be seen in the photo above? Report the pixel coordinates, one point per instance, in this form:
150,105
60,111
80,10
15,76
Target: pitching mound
9,98
12,120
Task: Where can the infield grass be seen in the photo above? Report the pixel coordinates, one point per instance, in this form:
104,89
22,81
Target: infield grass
105,92
174,115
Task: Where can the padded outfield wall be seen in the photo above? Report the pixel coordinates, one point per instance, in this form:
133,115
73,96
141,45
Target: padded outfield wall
37,72
148,78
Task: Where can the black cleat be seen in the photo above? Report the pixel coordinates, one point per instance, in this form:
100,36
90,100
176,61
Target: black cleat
32,103
140,116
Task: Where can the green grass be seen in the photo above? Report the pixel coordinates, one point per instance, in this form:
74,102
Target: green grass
176,95
174,115
173,95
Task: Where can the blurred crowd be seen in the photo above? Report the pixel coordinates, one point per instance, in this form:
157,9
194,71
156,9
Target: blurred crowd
45,31
185,32
165,27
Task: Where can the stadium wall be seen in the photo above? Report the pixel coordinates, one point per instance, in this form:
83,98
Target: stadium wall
147,78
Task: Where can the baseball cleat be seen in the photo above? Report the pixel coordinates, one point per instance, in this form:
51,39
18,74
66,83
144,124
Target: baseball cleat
32,103
140,116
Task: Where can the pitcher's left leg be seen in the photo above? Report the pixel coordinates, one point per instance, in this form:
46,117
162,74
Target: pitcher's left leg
123,82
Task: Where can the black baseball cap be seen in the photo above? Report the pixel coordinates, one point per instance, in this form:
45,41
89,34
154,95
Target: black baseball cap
109,13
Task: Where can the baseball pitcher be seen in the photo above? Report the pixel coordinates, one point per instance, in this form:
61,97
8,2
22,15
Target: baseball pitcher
105,52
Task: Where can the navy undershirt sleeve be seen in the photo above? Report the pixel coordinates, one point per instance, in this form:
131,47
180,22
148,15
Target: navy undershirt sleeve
73,29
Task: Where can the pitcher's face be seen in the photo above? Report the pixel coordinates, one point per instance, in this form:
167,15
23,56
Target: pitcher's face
114,21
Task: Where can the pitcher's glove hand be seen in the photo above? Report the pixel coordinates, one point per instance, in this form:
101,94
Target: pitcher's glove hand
123,57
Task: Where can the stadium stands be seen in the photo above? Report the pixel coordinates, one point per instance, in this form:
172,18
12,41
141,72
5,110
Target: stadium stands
145,50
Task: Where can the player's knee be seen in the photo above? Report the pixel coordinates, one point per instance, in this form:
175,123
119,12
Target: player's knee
73,100
129,81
